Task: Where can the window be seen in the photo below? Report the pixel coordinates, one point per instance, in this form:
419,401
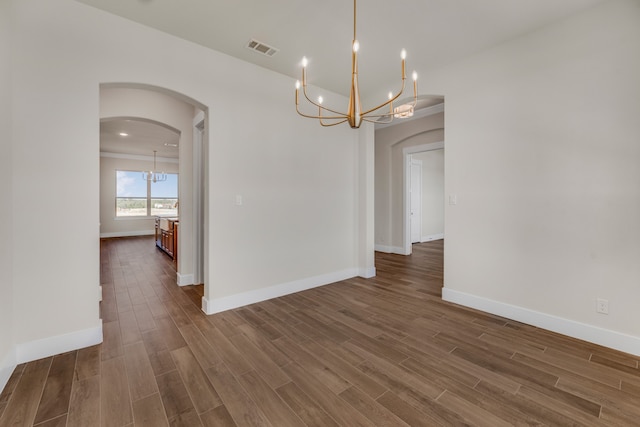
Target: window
137,197
164,196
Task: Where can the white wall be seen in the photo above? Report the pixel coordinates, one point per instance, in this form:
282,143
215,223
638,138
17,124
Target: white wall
432,193
111,226
389,201
543,152
298,180
7,340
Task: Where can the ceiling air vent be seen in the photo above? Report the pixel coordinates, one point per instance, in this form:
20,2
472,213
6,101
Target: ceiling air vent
262,48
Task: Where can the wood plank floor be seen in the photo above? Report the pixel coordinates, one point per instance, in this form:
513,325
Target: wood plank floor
379,352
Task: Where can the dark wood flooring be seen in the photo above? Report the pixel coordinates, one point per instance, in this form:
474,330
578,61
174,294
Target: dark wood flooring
379,352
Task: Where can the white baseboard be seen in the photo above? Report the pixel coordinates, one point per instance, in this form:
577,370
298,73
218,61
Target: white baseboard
400,250
389,249
7,366
218,305
605,337
207,307
184,279
367,273
127,234
34,350
432,237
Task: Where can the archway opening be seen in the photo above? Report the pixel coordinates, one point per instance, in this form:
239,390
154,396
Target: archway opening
174,126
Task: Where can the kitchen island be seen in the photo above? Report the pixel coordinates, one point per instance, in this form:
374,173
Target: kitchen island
167,235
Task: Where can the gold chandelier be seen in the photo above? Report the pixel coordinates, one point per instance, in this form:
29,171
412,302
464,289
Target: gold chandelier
354,115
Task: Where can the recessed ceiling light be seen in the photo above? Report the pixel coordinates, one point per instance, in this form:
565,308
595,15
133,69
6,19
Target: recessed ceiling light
170,144
123,134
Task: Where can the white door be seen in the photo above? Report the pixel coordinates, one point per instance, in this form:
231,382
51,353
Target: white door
416,200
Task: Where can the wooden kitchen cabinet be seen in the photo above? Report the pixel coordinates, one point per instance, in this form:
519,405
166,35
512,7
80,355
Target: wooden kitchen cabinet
166,234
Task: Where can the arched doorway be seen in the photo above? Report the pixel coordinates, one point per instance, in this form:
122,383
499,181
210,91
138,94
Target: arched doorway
188,119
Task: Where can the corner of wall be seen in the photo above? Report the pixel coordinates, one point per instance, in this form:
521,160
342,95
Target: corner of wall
8,364
184,279
593,334
37,349
217,305
7,344
390,249
367,272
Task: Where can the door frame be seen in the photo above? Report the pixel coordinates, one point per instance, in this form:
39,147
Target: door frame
199,198
413,195
406,185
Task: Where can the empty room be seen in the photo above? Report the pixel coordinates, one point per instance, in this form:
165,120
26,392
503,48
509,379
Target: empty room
319,213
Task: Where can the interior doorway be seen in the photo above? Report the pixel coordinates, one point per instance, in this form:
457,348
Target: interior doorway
188,117
431,226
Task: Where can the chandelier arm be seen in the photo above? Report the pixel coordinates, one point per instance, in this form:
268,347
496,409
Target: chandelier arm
387,102
385,114
304,91
331,124
328,118
413,104
340,117
323,117
390,119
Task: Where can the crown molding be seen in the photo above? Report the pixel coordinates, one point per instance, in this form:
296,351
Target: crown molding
138,157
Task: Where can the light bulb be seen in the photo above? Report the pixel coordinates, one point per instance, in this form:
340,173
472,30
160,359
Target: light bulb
356,45
403,54
319,100
297,84
390,95
415,76
304,61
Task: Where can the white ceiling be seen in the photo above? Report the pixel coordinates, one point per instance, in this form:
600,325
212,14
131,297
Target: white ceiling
434,32
143,136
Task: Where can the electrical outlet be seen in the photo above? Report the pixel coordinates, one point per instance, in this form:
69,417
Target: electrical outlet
602,306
